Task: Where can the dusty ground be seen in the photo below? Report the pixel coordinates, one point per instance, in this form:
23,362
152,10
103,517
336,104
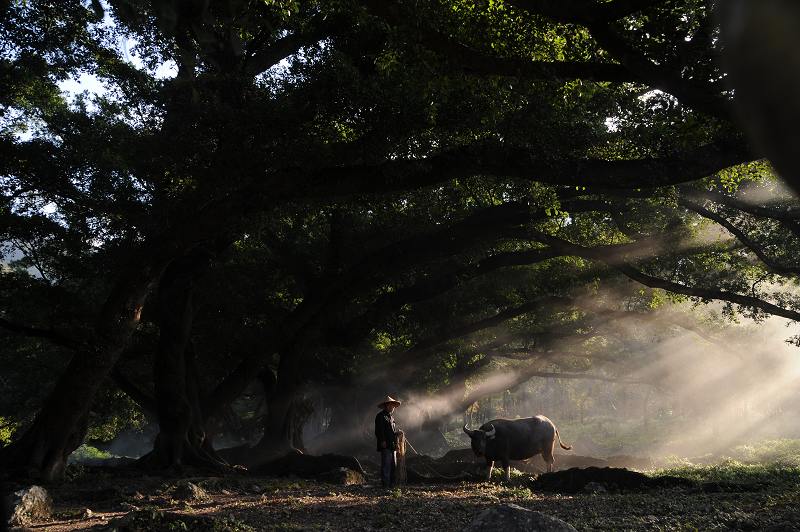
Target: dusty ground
769,502
751,497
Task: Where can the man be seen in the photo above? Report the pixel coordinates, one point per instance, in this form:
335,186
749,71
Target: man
386,433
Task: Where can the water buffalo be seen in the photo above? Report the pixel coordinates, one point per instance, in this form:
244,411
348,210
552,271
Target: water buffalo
503,440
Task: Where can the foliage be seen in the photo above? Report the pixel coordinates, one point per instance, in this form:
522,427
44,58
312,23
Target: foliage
7,429
86,453
114,413
783,451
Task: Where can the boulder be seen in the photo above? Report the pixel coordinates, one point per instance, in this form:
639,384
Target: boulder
189,491
29,504
513,518
343,476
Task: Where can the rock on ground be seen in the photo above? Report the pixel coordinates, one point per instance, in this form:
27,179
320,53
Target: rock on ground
513,518
343,476
188,491
30,504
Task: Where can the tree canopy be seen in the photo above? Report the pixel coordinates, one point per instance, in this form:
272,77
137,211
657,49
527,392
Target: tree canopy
355,197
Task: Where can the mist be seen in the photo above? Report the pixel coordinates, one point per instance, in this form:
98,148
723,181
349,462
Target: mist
677,382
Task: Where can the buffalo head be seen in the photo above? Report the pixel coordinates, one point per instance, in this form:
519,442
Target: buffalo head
479,438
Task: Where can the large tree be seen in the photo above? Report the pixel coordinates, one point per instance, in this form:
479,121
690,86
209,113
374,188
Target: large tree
368,168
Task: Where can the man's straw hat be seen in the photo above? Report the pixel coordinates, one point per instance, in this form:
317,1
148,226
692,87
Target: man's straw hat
388,399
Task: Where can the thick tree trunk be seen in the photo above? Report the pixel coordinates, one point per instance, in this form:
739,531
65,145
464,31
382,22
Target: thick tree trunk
61,424
282,422
279,426
182,438
287,412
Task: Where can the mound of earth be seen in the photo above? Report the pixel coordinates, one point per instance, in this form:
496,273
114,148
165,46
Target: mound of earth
536,465
307,465
424,469
458,455
574,480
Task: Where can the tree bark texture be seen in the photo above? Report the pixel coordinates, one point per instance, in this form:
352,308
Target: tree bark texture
182,438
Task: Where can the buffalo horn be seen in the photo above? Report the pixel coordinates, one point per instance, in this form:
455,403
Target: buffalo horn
490,433
469,432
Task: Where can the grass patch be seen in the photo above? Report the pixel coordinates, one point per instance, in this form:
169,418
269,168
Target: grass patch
736,472
784,451
499,474
774,462
87,452
518,492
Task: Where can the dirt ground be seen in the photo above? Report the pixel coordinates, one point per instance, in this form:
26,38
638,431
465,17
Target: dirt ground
243,503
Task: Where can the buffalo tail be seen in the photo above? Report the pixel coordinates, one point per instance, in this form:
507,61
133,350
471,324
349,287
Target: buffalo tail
565,447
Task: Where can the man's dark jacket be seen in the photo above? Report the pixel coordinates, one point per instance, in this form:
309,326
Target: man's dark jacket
385,430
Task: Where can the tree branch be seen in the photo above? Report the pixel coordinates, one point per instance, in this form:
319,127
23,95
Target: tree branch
788,214
498,159
434,286
598,16
420,349
53,336
476,62
768,261
139,396
670,286
319,28
584,11
707,293
699,96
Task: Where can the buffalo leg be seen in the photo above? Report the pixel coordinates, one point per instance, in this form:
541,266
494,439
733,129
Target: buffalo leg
507,468
547,455
490,464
